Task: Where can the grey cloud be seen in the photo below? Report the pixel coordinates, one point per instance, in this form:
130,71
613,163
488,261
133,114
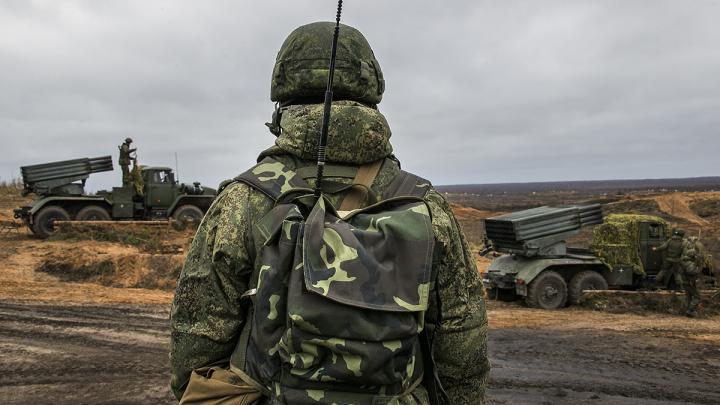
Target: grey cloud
478,91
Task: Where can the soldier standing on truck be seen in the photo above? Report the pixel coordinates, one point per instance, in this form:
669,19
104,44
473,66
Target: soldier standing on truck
124,161
671,268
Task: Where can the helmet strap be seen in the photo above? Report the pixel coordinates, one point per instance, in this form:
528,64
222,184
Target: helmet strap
274,125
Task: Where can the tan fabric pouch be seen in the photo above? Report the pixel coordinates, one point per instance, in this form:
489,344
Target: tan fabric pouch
218,386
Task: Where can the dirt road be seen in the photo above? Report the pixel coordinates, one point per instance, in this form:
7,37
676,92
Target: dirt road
117,354
580,356
64,354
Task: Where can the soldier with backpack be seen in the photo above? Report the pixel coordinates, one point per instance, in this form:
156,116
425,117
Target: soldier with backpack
366,294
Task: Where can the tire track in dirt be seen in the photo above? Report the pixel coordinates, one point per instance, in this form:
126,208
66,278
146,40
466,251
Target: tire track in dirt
112,354
577,356
84,354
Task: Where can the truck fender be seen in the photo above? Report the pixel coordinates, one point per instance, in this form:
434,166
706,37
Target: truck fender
201,201
39,204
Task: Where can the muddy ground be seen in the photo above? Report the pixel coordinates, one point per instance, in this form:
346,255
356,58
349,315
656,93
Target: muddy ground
117,354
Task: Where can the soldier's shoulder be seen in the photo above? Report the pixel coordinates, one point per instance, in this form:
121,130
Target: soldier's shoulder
443,218
437,201
237,195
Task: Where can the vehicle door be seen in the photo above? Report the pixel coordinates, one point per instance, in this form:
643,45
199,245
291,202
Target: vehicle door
160,191
652,234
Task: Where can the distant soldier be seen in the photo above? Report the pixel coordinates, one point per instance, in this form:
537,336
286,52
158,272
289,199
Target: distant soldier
125,160
136,179
693,262
672,252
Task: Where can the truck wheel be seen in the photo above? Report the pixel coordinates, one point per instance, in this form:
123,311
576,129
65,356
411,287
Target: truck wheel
43,221
187,214
547,291
93,213
586,280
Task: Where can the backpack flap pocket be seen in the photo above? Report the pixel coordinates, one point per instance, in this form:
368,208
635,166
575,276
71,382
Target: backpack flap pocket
269,227
380,259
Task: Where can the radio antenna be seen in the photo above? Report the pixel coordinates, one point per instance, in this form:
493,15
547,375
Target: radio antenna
322,138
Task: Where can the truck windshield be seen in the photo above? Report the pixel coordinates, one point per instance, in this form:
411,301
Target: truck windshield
654,231
162,177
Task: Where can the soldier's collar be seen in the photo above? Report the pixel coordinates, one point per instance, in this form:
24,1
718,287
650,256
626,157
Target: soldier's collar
358,133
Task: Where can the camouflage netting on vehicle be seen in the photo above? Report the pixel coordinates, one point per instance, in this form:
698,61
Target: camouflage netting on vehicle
137,180
617,240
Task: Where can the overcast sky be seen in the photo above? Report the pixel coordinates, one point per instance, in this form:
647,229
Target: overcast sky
477,91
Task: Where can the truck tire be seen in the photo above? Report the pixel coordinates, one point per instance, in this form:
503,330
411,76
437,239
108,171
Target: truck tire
586,280
187,214
93,213
547,291
43,220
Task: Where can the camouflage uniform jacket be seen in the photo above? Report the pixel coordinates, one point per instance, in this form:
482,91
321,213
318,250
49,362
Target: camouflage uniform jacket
207,314
125,152
672,249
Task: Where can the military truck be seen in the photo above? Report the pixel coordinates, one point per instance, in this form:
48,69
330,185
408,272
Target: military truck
60,191
539,266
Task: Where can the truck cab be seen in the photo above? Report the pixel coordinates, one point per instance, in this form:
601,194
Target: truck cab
159,196
160,189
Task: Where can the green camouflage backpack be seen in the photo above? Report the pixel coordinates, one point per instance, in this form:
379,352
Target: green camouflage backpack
693,258
340,297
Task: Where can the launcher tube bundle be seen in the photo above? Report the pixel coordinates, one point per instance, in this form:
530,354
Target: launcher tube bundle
530,231
45,178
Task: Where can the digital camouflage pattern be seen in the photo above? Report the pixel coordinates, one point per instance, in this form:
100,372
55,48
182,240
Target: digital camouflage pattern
617,240
357,133
693,259
125,151
209,313
355,339
301,66
124,161
672,249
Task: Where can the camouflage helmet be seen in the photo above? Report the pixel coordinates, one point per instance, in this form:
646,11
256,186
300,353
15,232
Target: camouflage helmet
128,140
678,232
301,66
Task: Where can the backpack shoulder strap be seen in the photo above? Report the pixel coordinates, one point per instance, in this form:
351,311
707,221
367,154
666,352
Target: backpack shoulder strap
364,179
407,185
272,178
331,170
